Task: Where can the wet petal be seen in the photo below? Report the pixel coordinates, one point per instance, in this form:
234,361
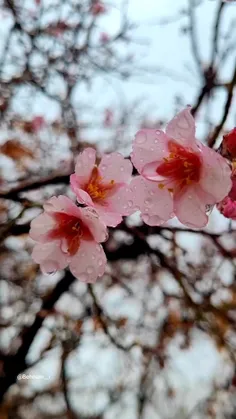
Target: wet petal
115,167
182,128
149,146
50,256
155,204
89,262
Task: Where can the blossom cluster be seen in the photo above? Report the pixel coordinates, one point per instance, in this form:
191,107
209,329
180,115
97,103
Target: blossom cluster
178,176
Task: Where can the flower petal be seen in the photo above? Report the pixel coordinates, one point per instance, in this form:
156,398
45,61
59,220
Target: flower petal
155,204
149,146
115,167
50,256
215,174
190,206
82,196
62,203
84,165
40,227
182,128
97,228
89,262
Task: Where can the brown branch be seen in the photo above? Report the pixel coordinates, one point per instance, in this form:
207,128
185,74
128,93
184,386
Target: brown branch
228,103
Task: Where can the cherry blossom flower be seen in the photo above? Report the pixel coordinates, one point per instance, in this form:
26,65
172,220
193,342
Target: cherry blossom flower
229,145
179,175
38,122
228,205
98,8
103,187
69,235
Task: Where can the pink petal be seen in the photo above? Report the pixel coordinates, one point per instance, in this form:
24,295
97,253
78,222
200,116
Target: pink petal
40,227
228,208
89,262
215,174
182,128
62,204
91,219
149,146
50,257
115,167
109,218
84,165
82,196
155,204
190,206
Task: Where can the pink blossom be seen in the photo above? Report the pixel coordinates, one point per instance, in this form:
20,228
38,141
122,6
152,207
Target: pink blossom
103,187
67,235
104,37
181,175
227,207
229,144
38,123
98,8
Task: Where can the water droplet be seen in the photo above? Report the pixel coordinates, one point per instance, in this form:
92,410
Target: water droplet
121,168
83,277
152,149
145,218
91,155
147,202
190,197
93,256
155,141
158,132
130,203
103,167
135,187
140,139
89,269
145,209
125,207
98,247
155,220
100,262
83,255
141,160
151,193
78,164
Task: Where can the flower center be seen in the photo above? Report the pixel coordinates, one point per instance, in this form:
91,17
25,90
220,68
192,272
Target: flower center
98,190
71,229
181,166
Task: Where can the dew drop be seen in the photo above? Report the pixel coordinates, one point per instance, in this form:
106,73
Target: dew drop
122,168
146,209
100,262
158,132
125,207
83,255
155,141
98,248
152,149
103,167
83,277
91,155
147,202
135,187
151,193
140,139
93,256
141,160
89,269
130,203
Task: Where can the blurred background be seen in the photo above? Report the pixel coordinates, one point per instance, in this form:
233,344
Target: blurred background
154,338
